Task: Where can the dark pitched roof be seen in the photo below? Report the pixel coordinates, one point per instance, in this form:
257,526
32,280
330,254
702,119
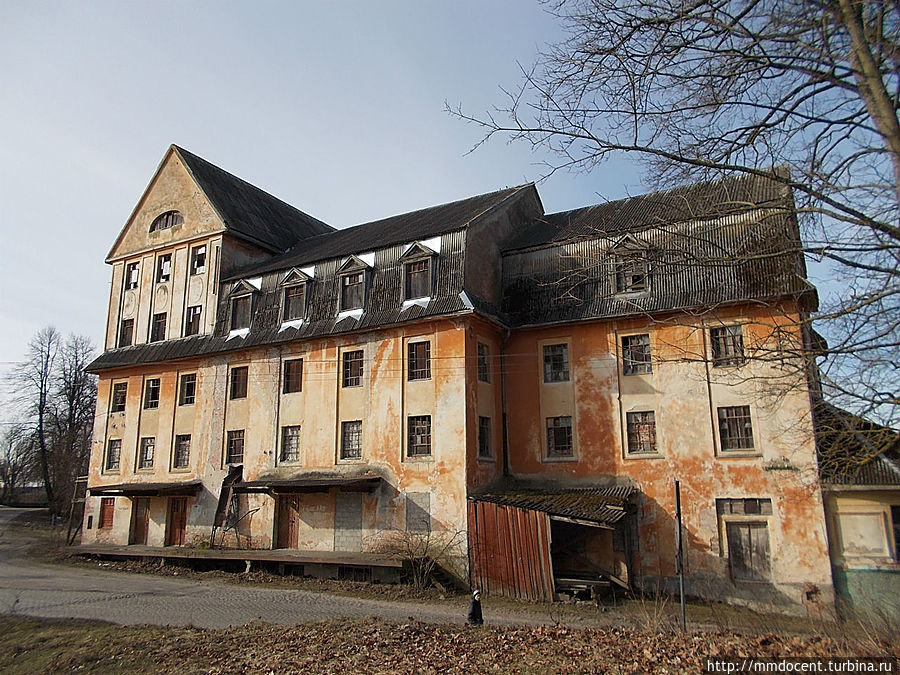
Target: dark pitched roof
853,451
403,228
248,212
699,201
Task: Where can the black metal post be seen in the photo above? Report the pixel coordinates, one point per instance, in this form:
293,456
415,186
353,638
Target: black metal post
679,554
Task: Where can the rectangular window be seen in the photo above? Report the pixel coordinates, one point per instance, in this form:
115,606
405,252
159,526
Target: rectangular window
238,385
353,368
419,438
735,428
132,275
352,291
192,321
484,437
198,259
107,507
418,279
744,507
119,395
113,455
126,331
164,268
158,329
351,439
559,437
151,394
484,363
419,360
727,345
234,452
290,444
632,275
293,376
294,303
636,355
240,312
187,391
181,458
145,456
641,432
556,363
748,550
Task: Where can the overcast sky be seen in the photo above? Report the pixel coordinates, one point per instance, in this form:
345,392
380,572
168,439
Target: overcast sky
335,107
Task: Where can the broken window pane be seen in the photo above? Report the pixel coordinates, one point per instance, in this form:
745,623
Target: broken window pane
158,328
727,345
735,428
182,455
239,377
636,355
113,454
234,453
290,444
353,368
419,437
556,363
559,437
641,432
145,457
352,291
419,360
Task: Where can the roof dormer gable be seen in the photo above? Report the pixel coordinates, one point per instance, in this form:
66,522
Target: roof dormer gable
629,244
245,286
357,263
420,249
297,276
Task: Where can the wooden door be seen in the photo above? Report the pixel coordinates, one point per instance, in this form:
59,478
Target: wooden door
140,521
288,522
748,551
176,523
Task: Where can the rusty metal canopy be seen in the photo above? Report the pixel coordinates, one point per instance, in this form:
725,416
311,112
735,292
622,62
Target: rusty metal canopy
600,506
173,489
309,483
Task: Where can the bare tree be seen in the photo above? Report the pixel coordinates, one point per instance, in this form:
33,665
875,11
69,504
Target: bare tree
57,400
700,89
17,459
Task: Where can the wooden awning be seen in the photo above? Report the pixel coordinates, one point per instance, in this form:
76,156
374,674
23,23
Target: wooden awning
174,489
301,484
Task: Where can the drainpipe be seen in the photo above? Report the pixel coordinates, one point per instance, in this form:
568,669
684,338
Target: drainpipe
505,441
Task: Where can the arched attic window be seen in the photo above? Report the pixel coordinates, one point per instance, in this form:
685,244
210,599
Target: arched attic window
166,220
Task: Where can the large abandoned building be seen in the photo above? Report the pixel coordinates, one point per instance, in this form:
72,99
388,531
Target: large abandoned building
532,384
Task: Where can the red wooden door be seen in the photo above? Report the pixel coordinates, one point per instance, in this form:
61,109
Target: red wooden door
288,522
140,521
177,521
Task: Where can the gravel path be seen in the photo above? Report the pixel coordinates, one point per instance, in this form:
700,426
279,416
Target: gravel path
61,591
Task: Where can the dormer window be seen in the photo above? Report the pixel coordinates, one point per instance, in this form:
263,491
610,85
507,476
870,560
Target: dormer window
294,302
198,259
240,312
417,282
164,268
632,274
352,291
166,220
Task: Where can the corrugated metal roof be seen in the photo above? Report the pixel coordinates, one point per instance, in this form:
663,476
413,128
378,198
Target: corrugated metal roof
400,229
605,506
248,212
172,488
853,451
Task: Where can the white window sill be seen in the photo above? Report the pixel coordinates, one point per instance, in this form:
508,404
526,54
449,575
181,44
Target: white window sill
350,314
296,323
238,333
421,302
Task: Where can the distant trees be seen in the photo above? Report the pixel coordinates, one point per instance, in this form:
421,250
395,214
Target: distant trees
56,399
700,89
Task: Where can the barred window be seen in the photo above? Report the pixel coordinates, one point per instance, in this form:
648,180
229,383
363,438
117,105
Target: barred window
419,360
484,363
234,452
239,377
641,432
294,303
119,396
187,390
182,456
735,428
556,363
418,279
293,376
353,368
145,456
151,394
484,437
290,444
559,437
113,454
419,437
727,345
351,439
636,355
352,291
